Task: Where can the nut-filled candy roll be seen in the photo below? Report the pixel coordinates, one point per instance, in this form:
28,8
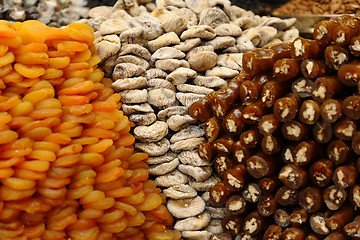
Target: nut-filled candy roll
223,100
349,74
310,199
293,176
331,110
320,172
309,111
285,69
336,56
286,108
286,196
340,218
302,48
326,87
267,205
314,68
233,122
272,91
261,165
334,197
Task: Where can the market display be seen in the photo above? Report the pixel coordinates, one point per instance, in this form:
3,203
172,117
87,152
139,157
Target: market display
163,61
288,156
68,169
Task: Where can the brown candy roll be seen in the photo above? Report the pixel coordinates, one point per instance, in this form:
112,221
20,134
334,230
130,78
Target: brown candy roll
345,176
246,236
224,144
354,196
272,91
340,218
352,229
223,100
261,165
258,61
318,223
336,56
336,236
309,112
273,232
293,233
271,144
268,184
293,176
250,90
326,87
281,50
305,48
345,129
314,236
322,131
331,110
267,205
282,217
302,87
298,217
268,124
250,138
201,109
285,69
354,46
321,172
251,192
231,224
219,194
310,199
254,223
253,112
206,151
237,205
343,33
305,152
286,196
213,129
235,177
233,122
222,163
294,130
351,107
349,74
355,143
339,151
241,152
334,197
286,108
322,32
314,68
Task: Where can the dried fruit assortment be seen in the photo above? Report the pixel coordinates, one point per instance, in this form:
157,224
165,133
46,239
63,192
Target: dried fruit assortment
163,61
68,168
284,139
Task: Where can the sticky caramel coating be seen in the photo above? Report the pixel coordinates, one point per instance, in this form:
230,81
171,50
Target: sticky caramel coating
322,131
351,107
317,223
254,223
345,176
343,33
354,46
240,152
219,194
272,91
285,69
354,196
267,205
305,48
322,31
253,112
250,138
213,129
349,73
294,130
334,197
206,151
336,236
336,56
309,112
314,68
331,110
310,199
286,108
268,184
223,162
258,61
235,177
302,87
340,218
268,124
251,192
355,143
223,100
326,87
298,217
231,224
224,144
260,165
305,152
345,129
233,122
293,176
352,229
293,233
201,109
237,205
250,90
271,144
321,172
286,196
273,232
339,151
